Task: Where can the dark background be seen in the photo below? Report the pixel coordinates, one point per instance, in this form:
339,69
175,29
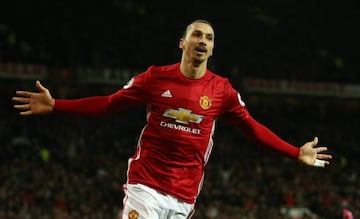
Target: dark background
282,39
308,41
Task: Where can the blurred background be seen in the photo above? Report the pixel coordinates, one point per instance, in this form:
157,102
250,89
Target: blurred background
294,62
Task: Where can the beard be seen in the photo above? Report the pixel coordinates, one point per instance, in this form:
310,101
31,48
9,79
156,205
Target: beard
198,60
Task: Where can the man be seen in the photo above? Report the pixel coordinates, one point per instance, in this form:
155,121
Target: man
183,101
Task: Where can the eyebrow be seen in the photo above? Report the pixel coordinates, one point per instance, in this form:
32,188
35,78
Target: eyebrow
207,34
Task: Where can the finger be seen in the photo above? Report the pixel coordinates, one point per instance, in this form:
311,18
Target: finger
321,149
24,93
21,99
319,163
39,86
324,156
26,113
22,106
315,141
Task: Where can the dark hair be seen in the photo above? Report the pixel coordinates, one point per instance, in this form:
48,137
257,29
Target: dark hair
195,21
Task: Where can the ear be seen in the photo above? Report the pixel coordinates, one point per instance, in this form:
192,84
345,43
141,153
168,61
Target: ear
181,43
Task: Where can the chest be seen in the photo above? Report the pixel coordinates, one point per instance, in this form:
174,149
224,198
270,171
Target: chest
186,99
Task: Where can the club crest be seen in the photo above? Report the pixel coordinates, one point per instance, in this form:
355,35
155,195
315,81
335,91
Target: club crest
133,214
205,102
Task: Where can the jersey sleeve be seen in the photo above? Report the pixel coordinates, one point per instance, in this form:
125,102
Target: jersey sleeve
233,109
134,93
235,112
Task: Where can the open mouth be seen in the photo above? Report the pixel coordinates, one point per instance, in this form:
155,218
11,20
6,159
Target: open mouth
201,49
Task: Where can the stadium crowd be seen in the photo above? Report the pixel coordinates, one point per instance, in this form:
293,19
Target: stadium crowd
259,39
60,166
65,167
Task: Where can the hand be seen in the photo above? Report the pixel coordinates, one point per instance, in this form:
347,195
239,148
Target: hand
312,156
34,103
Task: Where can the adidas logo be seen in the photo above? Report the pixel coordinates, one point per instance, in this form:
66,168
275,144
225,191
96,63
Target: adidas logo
166,94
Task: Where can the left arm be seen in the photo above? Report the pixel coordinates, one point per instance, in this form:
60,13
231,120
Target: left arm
235,112
307,154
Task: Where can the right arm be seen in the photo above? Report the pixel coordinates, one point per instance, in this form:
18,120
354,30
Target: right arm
42,102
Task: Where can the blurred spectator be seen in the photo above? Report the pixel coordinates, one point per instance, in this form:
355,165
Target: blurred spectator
83,180
47,174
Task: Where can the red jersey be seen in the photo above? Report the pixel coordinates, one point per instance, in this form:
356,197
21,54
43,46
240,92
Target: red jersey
175,144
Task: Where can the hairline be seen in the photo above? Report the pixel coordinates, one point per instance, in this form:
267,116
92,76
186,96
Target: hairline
196,21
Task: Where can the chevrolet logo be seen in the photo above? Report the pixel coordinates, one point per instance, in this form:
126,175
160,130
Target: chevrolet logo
183,116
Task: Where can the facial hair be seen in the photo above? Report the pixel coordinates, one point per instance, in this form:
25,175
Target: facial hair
197,61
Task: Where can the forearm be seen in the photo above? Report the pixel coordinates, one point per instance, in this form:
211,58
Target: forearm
264,136
96,105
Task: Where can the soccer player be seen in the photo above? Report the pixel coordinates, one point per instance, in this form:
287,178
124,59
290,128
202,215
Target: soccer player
183,101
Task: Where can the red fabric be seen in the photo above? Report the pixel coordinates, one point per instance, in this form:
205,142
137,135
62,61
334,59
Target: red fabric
263,136
176,142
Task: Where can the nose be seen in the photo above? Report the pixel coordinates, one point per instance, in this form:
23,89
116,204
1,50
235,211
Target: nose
202,43
202,40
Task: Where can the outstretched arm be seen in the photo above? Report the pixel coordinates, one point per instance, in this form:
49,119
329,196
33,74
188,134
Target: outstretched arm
34,102
41,102
308,154
236,113
30,103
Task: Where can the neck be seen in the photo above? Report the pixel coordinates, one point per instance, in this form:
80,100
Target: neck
193,70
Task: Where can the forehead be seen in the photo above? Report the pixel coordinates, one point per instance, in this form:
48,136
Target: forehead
199,26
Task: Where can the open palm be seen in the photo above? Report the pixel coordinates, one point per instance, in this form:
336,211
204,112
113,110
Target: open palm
30,103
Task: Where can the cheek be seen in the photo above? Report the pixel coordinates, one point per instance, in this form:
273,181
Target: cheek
211,51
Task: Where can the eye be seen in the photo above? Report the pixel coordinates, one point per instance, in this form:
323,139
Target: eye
197,33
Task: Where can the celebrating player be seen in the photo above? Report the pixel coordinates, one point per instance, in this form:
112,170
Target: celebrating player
183,101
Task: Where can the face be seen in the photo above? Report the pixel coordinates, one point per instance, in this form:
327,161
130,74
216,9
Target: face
198,43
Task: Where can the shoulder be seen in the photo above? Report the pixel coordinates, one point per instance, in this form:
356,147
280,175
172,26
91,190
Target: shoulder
164,72
217,78
164,68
